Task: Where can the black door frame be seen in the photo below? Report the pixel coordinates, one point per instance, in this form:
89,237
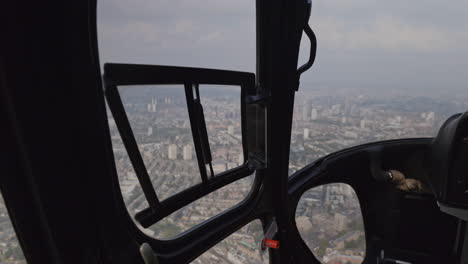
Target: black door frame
51,82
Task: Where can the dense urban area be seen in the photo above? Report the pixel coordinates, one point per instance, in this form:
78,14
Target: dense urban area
328,217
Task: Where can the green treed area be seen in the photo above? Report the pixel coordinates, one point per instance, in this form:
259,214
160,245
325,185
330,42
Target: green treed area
354,244
322,246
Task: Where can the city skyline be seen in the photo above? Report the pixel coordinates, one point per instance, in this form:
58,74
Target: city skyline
332,123
322,124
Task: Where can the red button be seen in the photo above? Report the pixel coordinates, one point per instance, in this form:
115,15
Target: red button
270,243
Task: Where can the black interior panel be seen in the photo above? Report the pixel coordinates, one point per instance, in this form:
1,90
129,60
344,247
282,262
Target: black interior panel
407,226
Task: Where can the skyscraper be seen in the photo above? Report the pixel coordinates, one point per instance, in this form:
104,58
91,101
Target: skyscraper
363,124
187,152
305,112
172,152
152,106
430,116
231,130
306,133
340,222
314,114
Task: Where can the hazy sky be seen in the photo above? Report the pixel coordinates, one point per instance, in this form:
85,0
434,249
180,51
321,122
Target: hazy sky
420,45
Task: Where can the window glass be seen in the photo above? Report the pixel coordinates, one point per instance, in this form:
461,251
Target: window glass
241,247
384,70
10,250
329,220
202,209
160,122
209,34
222,108
174,180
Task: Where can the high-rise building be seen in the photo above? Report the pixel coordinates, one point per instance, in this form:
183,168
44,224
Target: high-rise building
172,152
314,114
430,116
187,152
326,195
231,130
151,107
336,109
340,222
306,133
305,112
363,124
398,119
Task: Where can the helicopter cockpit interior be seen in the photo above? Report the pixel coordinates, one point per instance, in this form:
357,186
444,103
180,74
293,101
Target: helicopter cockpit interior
124,162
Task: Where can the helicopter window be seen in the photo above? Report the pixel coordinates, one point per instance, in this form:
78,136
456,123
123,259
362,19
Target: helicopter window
179,158
10,250
325,124
201,209
243,246
154,124
184,218
159,120
330,222
364,87
212,34
222,108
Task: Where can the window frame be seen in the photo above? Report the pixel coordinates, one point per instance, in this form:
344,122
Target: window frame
134,74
